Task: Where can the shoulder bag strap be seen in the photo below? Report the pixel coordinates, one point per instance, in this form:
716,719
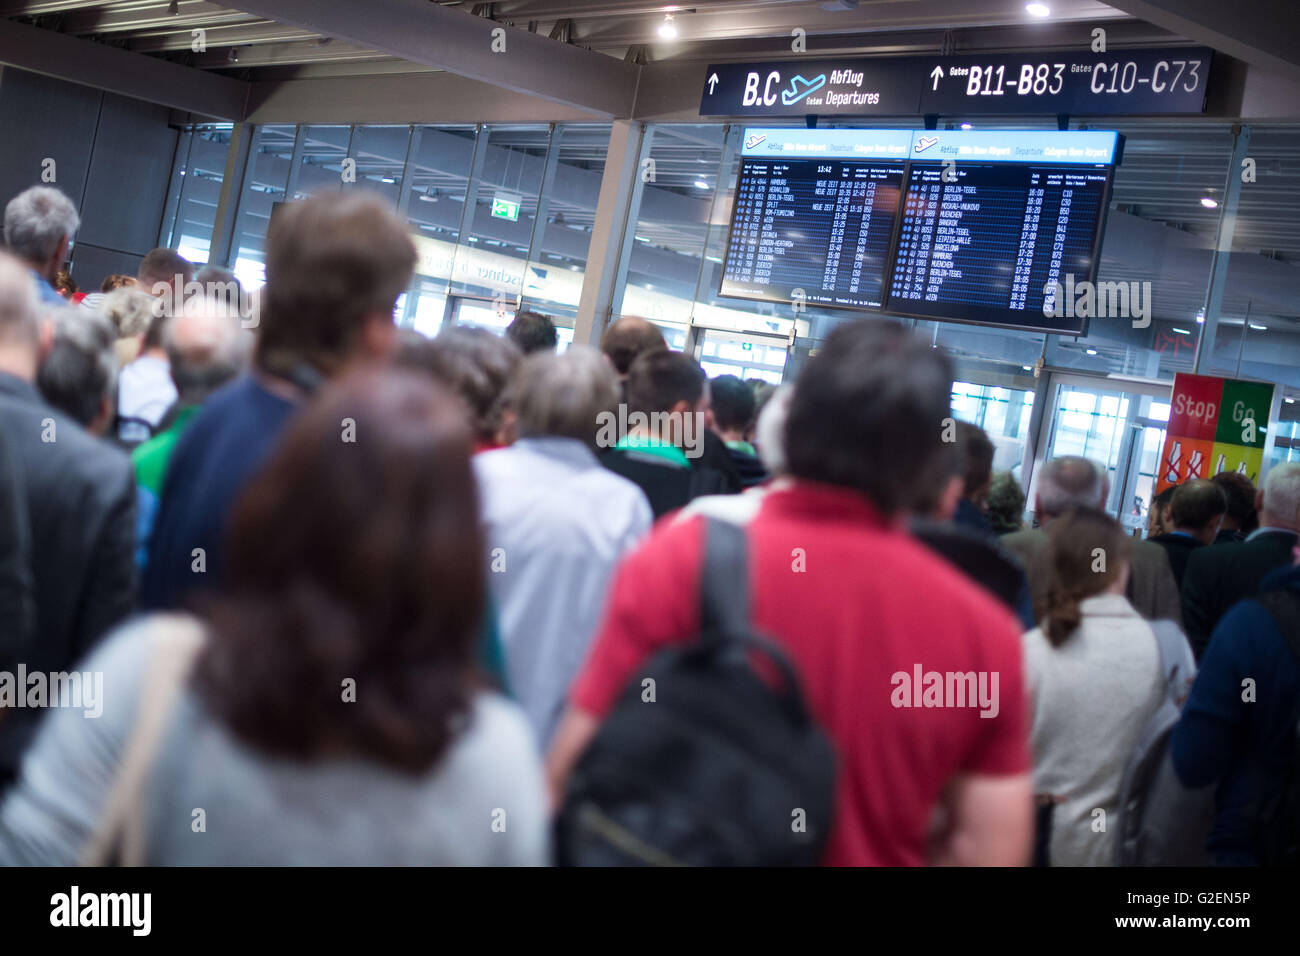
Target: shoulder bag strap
176,641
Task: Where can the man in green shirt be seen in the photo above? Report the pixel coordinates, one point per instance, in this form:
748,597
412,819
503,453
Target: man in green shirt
206,349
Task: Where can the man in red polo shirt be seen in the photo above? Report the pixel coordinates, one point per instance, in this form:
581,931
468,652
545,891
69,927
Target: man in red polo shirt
913,671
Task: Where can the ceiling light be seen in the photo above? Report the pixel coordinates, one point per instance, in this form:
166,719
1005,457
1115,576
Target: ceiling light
1183,331
429,195
965,125
173,8
1209,202
1200,318
1027,368
1290,400
1258,328
1038,10
668,29
1092,351
232,56
701,184
387,179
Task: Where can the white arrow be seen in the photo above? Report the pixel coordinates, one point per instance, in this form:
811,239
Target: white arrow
713,81
936,74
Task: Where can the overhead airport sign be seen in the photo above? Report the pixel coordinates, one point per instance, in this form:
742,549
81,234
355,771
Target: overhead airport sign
1128,82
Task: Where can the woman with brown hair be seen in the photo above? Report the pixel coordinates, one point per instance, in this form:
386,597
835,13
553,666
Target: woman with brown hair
327,709
1096,675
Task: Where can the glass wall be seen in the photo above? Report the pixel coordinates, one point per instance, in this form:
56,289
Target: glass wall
196,190
502,216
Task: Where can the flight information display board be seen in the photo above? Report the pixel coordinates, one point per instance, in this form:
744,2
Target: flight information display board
818,228
976,227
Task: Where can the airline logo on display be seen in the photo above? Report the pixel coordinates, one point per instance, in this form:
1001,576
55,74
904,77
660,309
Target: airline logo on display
1215,425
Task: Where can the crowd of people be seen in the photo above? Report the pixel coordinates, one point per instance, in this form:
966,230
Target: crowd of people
333,592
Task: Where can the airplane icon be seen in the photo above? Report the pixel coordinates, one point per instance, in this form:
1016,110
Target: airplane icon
754,140
800,87
924,143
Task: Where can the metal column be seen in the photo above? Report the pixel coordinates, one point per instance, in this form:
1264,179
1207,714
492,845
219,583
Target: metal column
232,189
611,238
1222,254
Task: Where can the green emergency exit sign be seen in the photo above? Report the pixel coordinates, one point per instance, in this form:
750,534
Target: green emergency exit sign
505,208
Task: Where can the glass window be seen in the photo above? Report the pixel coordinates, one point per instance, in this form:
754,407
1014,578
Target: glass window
501,207
320,166
1158,241
561,237
1258,334
265,181
199,173
437,181
673,203
380,154
1004,415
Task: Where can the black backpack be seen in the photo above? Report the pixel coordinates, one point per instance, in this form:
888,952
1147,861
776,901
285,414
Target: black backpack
1278,824
721,768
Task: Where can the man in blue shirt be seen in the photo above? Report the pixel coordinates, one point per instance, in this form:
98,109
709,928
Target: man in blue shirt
334,267
39,225
1238,727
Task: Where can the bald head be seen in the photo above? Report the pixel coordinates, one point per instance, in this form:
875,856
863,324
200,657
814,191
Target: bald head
629,338
1069,482
204,347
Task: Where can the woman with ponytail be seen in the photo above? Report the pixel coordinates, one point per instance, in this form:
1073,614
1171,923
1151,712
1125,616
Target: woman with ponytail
1094,668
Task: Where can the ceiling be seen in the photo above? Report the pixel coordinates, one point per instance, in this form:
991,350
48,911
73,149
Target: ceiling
254,47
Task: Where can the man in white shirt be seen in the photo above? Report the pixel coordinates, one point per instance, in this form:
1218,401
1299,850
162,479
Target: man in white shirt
557,524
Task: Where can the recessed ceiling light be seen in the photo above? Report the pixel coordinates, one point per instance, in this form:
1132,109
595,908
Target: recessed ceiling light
701,184
1258,328
1183,331
1092,351
668,29
965,125
1290,400
1027,368
1209,202
1038,10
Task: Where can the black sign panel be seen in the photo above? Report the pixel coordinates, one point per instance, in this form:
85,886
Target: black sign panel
859,87
1129,82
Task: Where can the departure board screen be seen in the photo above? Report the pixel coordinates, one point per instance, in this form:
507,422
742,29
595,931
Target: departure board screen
954,225
991,242
812,230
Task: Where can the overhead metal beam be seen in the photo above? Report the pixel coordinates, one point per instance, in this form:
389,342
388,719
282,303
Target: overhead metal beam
434,98
1265,34
119,71
461,43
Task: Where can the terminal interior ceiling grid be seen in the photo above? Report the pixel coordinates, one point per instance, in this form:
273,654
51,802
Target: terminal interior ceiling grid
526,185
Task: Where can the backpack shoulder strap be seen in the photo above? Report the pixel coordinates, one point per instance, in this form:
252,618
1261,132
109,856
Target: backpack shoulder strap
1177,669
1283,605
724,583
176,641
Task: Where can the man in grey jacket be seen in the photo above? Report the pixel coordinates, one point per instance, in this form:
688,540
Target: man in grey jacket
76,526
1071,482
